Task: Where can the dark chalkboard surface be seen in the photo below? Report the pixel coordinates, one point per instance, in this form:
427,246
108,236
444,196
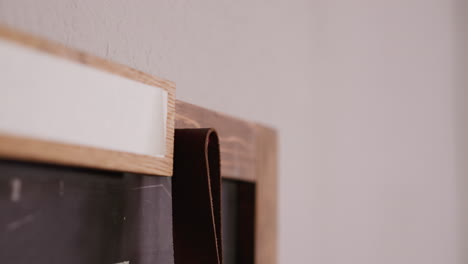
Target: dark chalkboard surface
54,214
238,221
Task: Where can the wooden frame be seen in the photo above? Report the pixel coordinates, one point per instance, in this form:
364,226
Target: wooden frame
248,150
23,148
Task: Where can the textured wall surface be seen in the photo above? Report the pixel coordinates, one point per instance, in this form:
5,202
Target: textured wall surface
367,96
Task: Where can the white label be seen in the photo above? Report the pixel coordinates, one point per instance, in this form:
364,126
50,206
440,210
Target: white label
50,98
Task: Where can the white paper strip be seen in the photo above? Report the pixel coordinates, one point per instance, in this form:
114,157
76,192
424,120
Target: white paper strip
50,98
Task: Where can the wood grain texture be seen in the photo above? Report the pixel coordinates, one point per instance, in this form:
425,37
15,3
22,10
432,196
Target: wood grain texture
266,226
14,147
236,138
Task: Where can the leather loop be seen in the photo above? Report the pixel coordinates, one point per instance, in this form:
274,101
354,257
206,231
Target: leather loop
196,189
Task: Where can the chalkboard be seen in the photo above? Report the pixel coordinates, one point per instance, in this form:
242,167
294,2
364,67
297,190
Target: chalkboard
55,214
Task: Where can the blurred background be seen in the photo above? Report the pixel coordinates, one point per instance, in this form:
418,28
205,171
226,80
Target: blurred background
369,97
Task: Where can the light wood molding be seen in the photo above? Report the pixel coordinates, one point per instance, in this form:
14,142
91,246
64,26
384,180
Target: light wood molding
23,147
266,201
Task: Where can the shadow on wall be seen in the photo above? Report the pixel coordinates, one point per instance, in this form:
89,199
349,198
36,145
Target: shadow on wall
461,111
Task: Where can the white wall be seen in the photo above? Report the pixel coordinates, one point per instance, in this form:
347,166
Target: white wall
367,96
461,113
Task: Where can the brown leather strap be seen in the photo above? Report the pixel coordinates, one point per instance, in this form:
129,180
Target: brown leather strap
196,189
